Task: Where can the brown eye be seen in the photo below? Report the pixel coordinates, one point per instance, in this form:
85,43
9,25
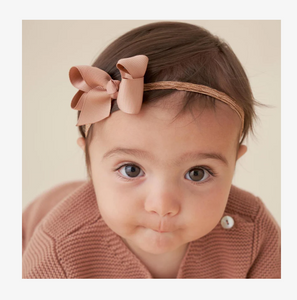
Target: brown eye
130,171
197,174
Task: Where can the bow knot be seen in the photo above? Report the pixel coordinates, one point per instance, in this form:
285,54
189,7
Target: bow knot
97,89
112,88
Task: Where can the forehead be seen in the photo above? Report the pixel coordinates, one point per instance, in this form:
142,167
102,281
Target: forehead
155,129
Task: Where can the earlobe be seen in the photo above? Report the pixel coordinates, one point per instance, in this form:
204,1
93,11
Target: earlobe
81,143
241,151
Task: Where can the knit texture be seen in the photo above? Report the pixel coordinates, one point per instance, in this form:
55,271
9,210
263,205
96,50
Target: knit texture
64,236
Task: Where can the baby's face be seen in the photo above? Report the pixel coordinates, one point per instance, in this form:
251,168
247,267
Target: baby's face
161,184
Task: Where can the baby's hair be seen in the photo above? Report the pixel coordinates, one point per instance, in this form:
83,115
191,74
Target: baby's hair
184,52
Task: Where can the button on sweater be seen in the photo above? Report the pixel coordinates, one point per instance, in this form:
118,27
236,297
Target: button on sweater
64,236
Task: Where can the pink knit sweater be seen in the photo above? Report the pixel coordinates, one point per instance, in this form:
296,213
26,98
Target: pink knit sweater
64,236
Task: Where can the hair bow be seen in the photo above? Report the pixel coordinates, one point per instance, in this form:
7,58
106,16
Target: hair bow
97,89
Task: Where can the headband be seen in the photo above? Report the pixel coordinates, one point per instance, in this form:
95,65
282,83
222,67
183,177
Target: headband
97,89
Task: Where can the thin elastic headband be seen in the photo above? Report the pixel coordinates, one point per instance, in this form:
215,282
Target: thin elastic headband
97,90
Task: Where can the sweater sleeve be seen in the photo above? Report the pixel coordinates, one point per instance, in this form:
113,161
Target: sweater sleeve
40,259
39,248
41,205
266,258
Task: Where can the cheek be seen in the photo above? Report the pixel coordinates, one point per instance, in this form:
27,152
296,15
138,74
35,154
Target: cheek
118,209
117,216
207,210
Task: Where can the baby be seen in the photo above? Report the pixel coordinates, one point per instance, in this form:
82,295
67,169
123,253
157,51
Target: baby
163,113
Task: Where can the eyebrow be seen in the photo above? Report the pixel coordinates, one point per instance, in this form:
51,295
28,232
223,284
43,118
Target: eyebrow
147,155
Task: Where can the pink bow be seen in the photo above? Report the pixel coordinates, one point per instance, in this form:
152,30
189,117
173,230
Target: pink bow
97,89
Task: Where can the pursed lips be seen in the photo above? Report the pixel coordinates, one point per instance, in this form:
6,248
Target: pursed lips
162,228
156,230
160,231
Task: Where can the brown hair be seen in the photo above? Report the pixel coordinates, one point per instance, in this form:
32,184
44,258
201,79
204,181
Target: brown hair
184,52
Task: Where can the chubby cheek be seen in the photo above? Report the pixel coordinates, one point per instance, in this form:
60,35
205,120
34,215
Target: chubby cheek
206,212
116,208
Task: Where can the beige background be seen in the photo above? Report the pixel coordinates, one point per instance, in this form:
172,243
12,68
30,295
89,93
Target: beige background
50,153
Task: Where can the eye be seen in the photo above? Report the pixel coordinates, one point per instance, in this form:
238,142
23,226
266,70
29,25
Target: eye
198,174
130,171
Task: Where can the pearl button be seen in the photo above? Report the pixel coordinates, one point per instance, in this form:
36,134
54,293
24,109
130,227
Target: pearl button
227,222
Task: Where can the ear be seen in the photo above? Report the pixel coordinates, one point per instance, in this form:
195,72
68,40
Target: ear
241,151
81,143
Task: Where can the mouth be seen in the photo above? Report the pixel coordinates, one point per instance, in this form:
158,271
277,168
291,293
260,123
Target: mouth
160,231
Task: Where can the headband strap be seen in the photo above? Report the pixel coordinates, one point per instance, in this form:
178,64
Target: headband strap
97,89
197,88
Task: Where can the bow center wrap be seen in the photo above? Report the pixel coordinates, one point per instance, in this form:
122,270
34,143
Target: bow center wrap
112,88
130,94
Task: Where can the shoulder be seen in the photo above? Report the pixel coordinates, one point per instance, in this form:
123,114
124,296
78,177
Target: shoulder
249,248
253,219
243,203
248,206
43,204
78,209
69,225
65,206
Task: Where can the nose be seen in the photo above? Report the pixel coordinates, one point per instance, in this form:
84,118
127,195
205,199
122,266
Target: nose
163,200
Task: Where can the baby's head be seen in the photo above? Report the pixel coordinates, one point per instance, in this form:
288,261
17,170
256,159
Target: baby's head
162,177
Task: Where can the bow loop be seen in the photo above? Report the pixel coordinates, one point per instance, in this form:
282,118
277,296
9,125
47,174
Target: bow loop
92,99
133,67
86,78
131,92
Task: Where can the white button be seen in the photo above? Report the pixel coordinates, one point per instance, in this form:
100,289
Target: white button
227,222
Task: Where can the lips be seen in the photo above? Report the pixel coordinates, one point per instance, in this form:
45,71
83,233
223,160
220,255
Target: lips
160,231
164,226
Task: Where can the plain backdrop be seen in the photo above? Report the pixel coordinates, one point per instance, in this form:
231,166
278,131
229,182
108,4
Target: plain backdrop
51,47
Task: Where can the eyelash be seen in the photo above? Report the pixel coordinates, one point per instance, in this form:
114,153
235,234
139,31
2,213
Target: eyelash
206,168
